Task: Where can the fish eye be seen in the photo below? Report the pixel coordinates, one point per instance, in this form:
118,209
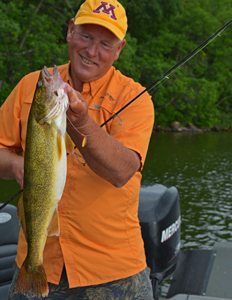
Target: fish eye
39,84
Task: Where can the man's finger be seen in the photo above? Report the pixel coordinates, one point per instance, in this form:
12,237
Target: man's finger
74,95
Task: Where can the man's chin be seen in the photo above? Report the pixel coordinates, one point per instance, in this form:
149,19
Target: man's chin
88,76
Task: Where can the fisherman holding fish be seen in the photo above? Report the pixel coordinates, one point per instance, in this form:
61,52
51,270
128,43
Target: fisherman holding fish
81,228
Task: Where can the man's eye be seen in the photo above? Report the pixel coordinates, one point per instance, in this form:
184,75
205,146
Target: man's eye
105,46
86,37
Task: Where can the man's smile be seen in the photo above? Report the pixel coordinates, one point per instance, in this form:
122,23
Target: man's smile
87,61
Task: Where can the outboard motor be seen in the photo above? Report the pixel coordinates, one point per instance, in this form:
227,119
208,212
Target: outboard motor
159,216
9,232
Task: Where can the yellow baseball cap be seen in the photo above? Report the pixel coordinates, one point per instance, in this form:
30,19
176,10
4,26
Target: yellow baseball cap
109,13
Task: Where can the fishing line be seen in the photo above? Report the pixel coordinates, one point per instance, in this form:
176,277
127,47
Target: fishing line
184,62
16,227
171,71
159,81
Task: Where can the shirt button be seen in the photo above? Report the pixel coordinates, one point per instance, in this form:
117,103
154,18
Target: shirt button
63,241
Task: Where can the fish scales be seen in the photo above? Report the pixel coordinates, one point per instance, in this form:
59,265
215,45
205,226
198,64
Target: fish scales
45,167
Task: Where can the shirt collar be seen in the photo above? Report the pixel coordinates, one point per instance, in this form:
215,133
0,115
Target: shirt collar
89,87
94,86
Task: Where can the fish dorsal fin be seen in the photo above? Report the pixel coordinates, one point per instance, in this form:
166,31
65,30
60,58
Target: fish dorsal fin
54,227
59,144
21,216
69,144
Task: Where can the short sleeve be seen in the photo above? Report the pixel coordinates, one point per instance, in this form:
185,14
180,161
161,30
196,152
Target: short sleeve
10,123
14,114
134,125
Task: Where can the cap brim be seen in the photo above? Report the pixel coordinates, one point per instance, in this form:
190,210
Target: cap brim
91,20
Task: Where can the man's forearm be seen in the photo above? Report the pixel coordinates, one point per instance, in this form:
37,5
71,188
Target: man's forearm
107,157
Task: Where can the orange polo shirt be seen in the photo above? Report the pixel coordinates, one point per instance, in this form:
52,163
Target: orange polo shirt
100,238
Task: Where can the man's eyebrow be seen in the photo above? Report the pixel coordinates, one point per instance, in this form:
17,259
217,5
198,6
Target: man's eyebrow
109,41
84,32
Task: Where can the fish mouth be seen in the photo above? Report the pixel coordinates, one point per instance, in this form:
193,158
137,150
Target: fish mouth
51,81
58,88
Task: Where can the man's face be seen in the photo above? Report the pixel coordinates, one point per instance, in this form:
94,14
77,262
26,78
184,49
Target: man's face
92,51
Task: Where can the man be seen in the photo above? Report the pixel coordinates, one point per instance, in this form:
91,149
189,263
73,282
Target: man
99,253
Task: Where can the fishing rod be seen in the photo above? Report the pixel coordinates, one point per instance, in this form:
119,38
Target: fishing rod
161,79
171,71
11,199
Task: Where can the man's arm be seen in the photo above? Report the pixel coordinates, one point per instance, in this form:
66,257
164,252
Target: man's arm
107,157
11,166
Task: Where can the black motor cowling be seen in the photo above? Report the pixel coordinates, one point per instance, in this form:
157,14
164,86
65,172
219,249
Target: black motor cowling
159,216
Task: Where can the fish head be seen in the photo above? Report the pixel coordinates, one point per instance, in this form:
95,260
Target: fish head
50,95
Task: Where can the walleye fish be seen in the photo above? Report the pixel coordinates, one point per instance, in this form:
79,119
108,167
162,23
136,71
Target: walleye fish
45,168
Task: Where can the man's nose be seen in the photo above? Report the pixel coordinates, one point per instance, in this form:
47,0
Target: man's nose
92,49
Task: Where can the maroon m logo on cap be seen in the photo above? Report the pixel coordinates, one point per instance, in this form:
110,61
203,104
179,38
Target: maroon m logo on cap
106,10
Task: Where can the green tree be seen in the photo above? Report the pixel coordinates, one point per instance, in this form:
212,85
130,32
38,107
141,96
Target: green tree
199,91
160,33
32,35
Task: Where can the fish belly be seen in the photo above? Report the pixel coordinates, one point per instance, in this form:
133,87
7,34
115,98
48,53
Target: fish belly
44,180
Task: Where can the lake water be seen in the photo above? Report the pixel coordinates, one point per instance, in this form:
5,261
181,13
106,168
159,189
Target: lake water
199,166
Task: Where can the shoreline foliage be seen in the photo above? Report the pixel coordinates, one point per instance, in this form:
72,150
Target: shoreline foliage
161,33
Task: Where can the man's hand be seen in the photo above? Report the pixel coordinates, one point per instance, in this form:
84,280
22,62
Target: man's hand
18,169
11,166
78,108
106,156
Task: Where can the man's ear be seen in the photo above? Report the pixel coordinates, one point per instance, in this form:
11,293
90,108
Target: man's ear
120,47
70,30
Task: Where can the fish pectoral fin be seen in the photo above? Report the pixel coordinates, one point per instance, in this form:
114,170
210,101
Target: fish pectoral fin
21,215
54,227
69,144
59,144
47,130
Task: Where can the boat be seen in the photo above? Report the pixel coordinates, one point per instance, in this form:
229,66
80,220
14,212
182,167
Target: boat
195,274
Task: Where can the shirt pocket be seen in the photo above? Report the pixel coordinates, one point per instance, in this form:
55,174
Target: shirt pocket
101,113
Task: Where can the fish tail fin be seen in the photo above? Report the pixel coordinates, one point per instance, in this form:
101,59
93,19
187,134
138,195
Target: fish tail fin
33,280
